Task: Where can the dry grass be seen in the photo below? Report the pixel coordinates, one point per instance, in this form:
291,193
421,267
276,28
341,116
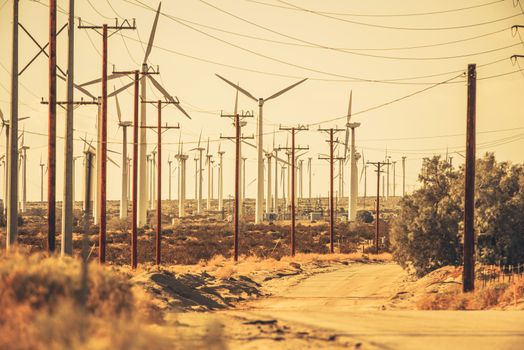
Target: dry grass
507,295
39,299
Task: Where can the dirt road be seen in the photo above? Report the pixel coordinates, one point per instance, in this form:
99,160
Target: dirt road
350,302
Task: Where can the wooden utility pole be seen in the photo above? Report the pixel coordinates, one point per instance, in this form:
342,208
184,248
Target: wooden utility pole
379,166
468,275
67,207
237,123
51,143
103,132
134,209
331,132
159,127
293,150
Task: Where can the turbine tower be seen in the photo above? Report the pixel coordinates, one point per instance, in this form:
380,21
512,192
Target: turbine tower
220,179
24,149
198,174
353,188
125,175
209,177
269,201
42,165
182,158
260,152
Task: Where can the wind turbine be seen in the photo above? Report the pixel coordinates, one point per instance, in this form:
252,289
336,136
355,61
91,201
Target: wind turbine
182,158
5,124
220,179
209,176
260,142
199,173
125,175
169,162
353,187
142,152
364,173
23,157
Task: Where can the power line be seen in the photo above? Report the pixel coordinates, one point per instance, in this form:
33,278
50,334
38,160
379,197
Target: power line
350,78
401,28
384,15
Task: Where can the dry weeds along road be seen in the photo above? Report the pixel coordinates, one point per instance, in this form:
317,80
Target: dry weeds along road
355,306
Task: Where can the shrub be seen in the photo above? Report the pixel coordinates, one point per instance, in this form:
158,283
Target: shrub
365,216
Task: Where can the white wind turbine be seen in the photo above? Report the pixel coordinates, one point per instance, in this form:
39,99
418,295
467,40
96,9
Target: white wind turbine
182,158
125,175
209,177
198,173
260,142
353,189
23,158
220,179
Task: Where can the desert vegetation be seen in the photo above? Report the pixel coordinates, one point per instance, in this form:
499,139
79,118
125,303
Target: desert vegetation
427,233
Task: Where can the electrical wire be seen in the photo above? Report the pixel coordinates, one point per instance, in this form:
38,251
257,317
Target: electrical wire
350,78
400,28
384,15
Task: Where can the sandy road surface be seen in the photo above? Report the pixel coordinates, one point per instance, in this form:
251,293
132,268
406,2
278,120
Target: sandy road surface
348,302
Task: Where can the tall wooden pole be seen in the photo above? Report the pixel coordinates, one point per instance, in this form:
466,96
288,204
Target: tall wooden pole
468,276
67,203
134,221
51,175
237,184
103,163
331,202
159,187
377,218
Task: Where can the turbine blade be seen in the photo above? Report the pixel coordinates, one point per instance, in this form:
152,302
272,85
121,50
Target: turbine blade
78,87
114,93
284,90
2,116
118,111
177,105
152,35
236,86
96,81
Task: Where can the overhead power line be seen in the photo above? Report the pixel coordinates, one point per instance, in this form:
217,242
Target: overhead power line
436,12
380,26
310,69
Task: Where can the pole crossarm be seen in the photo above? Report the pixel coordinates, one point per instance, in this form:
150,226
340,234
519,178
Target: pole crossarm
125,24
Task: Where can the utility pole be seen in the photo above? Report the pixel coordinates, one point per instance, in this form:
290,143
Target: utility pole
403,176
293,150
67,205
67,202
159,128
103,125
134,209
331,132
238,139
51,147
468,276
379,166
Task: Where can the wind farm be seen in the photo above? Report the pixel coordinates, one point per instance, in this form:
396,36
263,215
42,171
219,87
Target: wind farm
369,199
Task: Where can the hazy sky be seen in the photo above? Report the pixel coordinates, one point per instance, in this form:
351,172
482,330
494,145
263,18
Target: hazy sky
282,44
